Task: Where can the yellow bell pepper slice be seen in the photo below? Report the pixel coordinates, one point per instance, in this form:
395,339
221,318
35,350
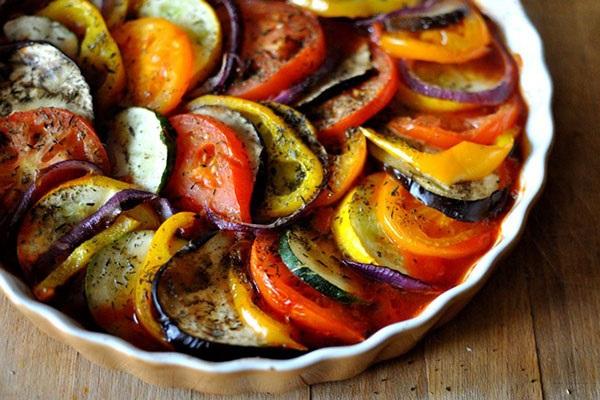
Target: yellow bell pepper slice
295,173
455,44
82,255
164,245
99,55
353,8
344,234
464,162
271,331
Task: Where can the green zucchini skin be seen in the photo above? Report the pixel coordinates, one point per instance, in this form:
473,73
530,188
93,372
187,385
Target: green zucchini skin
318,265
141,148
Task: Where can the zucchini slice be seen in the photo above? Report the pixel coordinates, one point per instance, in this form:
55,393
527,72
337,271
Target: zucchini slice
315,259
110,283
192,294
59,211
34,27
362,218
141,148
35,75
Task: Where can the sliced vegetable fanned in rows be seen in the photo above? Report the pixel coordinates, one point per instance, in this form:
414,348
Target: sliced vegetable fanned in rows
194,297
443,131
469,175
457,43
99,55
39,75
486,81
314,258
32,141
422,230
365,245
295,166
281,46
289,297
69,216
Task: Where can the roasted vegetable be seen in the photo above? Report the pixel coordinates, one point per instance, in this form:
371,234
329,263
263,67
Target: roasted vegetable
36,28
39,75
32,141
99,55
192,295
199,21
158,57
141,148
295,175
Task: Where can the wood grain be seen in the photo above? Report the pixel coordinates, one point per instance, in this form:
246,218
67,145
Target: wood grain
533,332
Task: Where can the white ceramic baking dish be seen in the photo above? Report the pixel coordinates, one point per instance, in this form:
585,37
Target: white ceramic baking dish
335,363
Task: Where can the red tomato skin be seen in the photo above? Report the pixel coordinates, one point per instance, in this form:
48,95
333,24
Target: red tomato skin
211,168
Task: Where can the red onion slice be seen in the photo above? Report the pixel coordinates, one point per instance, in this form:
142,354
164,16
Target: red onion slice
391,277
421,8
487,97
88,228
231,54
47,179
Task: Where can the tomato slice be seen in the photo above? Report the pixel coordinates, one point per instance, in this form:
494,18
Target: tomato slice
291,298
282,45
445,131
454,44
211,168
33,140
356,105
425,231
159,60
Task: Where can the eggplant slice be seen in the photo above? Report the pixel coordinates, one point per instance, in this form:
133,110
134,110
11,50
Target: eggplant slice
461,210
37,74
193,298
36,28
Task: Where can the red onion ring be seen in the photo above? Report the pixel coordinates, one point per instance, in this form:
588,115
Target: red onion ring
489,97
219,82
46,180
423,7
88,228
391,277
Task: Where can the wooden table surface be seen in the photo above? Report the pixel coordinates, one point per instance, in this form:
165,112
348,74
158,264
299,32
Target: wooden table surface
533,332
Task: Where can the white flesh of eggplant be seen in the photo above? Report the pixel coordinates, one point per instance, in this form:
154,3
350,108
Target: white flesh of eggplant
36,28
39,75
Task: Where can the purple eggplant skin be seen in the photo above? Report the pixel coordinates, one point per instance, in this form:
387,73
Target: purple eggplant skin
461,210
201,347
